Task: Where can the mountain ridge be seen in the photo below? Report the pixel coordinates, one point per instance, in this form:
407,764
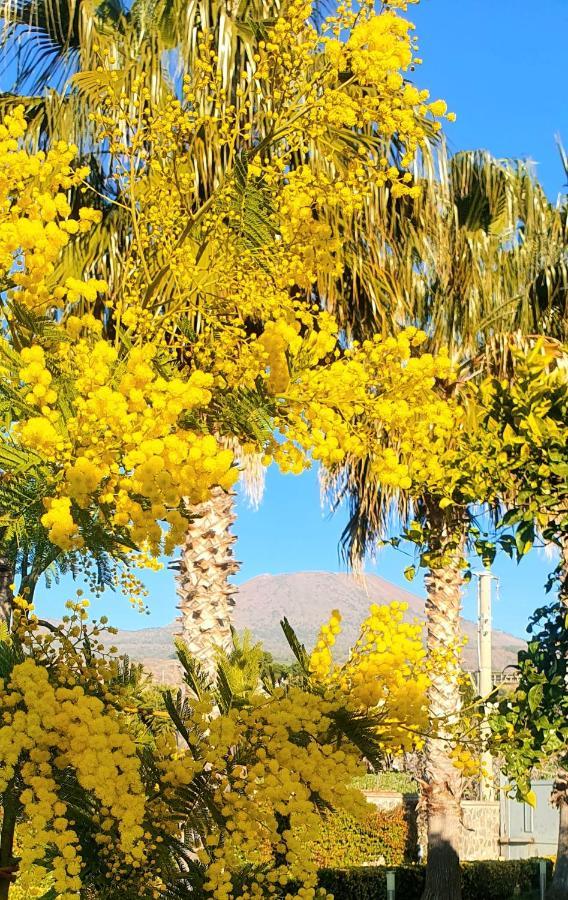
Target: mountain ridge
306,600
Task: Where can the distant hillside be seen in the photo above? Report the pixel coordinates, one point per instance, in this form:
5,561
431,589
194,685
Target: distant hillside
306,599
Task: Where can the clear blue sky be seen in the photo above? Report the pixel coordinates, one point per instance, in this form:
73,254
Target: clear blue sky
501,68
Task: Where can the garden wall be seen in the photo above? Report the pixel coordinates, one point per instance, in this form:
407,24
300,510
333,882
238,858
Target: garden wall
481,830
481,822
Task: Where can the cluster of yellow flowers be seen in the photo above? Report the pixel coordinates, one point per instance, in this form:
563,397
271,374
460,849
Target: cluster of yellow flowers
376,54
466,762
109,430
386,673
126,434
378,390
35,215
209,302
54,719
276,762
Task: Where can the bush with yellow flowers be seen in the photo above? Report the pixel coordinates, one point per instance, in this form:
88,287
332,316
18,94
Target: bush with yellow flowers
101,803
387,675
61,736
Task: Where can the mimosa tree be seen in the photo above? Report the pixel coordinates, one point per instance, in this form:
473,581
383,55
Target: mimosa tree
84,50
269,219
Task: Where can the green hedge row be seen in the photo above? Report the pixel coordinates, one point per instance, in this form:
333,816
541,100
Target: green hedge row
492,880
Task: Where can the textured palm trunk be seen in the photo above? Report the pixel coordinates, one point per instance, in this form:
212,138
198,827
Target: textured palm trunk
559,886
558,889
203,587
6,596
444,784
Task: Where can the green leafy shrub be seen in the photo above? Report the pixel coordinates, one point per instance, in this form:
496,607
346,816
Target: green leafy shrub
493,880
401,782
501,880
369,883
383,837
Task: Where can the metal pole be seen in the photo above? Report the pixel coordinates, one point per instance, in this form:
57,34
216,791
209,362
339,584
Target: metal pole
391,886
484,633
486,788
542,879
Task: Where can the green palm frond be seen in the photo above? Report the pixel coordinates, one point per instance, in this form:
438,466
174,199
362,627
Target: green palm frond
49,41
193,674
296,647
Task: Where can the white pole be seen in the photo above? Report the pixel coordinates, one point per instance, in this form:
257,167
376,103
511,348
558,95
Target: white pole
542,867
484,633
486,787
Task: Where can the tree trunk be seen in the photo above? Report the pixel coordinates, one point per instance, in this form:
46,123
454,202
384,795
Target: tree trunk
8,866
203,588
559,886
444,783
558,889
6,596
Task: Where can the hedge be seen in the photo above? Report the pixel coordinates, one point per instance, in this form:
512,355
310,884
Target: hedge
387,781
491,880
384,837
501,880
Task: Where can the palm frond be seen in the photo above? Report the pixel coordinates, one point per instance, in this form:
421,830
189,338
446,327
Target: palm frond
193,674
296,647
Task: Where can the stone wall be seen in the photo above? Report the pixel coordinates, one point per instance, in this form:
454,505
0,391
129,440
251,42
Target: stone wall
481,822
480,833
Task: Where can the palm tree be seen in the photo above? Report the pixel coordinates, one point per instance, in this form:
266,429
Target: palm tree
477,261
204,590
59,46
50,43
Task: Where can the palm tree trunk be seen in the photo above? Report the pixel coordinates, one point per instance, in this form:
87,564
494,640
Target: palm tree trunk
8,865
204,591
6,596
559,886
558,889
444,784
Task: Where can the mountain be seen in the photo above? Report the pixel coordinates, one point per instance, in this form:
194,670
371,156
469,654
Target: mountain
306,599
